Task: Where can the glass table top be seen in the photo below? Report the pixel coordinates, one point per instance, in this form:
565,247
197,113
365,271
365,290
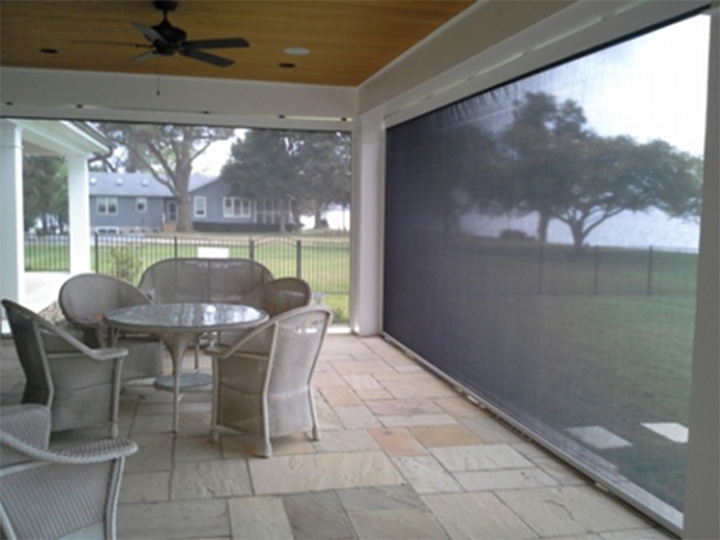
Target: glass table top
186,316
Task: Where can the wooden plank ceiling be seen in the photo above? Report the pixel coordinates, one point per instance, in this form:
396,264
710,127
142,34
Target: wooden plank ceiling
348,40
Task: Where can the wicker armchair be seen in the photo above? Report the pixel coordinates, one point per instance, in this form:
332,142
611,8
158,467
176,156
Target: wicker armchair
56,494
84,299
274,297
263,386
80,385
279,295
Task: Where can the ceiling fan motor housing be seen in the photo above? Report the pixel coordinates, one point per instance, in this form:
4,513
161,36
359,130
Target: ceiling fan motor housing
174,37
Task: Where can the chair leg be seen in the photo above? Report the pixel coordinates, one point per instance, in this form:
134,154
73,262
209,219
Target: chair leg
114,430
313,413
214,434
267,449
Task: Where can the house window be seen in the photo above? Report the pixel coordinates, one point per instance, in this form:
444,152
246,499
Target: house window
141,204
236,207
265,211
199,206
107,205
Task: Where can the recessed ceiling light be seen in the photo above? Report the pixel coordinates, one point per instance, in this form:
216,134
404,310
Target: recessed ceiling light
286,65
297,51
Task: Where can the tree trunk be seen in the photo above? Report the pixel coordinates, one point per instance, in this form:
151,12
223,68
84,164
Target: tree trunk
283,216
542,226
578,234
184,220
318,214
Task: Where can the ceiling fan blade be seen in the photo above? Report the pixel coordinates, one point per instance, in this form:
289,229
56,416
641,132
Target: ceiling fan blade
149,32
124,43
205,57
226,43
143,56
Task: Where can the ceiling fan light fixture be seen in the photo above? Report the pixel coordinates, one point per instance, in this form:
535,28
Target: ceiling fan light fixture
297,51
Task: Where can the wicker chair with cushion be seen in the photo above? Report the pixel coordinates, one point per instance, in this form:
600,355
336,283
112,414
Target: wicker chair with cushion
266,390
80,385
56,494
84,299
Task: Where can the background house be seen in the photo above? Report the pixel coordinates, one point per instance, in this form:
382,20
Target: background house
136,202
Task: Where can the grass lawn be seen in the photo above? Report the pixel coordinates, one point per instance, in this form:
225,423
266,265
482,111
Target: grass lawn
615,362
560,340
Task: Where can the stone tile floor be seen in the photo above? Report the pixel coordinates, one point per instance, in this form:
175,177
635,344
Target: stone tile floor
402,455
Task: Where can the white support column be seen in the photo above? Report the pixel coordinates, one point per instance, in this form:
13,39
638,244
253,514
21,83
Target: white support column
366,229
702,492
12,281
79,214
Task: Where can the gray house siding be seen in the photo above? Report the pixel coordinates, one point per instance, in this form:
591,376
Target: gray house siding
122,191
128,216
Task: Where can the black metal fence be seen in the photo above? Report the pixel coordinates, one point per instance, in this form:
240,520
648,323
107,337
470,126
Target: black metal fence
551,269
325,264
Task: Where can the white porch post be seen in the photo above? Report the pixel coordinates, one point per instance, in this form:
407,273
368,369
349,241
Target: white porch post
12,281
79,213
366,227
702,491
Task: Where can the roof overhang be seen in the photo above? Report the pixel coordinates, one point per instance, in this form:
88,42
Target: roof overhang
50,137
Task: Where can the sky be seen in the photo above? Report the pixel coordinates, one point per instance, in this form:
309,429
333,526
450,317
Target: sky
212,160
657,86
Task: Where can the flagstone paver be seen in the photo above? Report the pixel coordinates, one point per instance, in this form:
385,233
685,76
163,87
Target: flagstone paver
402,454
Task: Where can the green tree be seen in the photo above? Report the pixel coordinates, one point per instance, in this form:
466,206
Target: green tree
45,192
323,162
616,174
540,150
302,170
167,152
261,166
565,171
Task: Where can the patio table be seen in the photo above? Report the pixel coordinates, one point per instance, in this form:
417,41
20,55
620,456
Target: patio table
178,324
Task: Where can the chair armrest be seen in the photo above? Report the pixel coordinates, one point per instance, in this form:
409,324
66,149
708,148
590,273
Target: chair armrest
100,355
223,351
95,354
96,452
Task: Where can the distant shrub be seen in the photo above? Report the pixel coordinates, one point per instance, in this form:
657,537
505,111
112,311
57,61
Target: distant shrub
126,263
516,236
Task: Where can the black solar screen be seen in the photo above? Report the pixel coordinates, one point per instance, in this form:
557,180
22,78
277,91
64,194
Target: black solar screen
541,247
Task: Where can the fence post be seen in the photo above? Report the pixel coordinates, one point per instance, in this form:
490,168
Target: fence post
175,246
251,249
97,253
298,258
650,271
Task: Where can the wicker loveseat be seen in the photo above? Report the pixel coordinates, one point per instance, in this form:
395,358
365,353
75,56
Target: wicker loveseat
202,279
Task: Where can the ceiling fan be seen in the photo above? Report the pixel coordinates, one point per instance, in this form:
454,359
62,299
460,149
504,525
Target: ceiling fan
167,40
